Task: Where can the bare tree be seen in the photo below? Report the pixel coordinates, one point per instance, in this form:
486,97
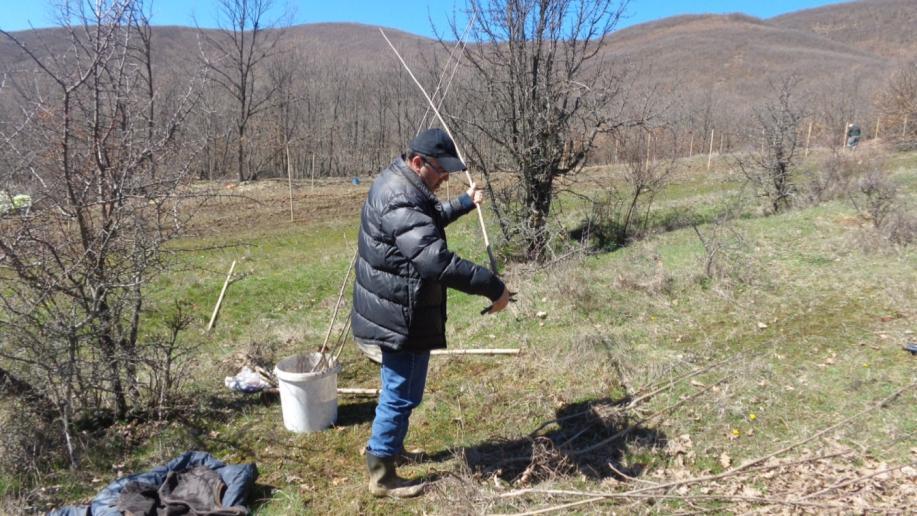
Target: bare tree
770,170
236,55
105,171
898,103
541,93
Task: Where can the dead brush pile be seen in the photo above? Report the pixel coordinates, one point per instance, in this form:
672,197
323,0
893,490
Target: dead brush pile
586,444
836,480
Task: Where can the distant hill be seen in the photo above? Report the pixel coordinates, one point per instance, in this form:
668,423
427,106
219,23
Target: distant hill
733,56
709,70
886,28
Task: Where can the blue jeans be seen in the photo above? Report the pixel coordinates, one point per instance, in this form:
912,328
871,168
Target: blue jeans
404,375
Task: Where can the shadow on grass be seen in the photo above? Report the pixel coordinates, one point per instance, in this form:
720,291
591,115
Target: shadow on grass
350,414
588,438
260,496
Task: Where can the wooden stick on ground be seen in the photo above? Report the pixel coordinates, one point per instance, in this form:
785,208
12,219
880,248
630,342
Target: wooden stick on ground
358,391
216,309
762,459
499,351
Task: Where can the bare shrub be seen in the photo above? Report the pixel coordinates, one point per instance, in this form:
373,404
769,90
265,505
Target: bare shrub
30,438
645,176
108,165
901,227
654,282
834,177
771,169
898,104
619,215
165,359
877,200
727,257
577,291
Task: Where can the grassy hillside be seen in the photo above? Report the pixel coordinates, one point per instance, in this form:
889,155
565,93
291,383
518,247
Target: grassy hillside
638,367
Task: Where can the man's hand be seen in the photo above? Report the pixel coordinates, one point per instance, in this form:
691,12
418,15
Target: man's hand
501,303
476,194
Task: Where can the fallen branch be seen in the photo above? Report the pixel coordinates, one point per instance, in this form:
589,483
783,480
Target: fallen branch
561,507
672,382
632,403
747,465
855,481
658,413
598,496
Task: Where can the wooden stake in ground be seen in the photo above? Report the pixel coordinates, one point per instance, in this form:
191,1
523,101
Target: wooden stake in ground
904,126
878,121
313,171
808,138
216,309
290,180
710,153
691,145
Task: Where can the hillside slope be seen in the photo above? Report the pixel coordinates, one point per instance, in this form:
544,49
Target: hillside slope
733,57
883,27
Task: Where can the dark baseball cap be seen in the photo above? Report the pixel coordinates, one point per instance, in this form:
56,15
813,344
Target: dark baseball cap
435,143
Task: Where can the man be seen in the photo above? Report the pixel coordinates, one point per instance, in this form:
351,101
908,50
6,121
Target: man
399,300
853,136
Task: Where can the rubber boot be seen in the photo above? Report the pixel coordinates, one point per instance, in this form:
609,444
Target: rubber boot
406,457
384,481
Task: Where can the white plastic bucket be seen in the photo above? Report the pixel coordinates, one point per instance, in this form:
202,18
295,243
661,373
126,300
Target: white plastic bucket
309,401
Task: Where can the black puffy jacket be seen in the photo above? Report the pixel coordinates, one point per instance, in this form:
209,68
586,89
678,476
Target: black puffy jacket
404,265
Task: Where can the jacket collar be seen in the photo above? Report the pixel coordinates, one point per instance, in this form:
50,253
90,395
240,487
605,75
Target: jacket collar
401,166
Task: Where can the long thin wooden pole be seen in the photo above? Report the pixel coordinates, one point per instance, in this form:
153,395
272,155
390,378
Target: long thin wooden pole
313,171
904,127
334,315
497,351
290,180
691,145
878,121
710,152
808,138
357,391
216,309
490,253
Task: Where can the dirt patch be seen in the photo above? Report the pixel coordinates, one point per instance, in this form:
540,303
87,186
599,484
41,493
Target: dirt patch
265,204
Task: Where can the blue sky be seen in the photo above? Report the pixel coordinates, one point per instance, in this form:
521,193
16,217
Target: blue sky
408,15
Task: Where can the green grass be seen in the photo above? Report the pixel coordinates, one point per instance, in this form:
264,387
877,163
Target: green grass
814,323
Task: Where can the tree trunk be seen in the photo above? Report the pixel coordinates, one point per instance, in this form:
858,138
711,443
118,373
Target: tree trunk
538,202
240,153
